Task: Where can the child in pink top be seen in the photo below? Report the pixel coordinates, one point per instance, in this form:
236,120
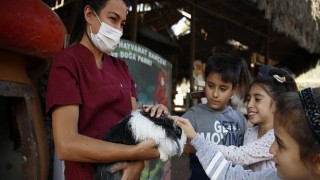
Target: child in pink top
263,93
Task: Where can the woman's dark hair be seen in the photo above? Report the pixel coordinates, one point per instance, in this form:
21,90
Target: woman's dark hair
79,22
291,116
277,81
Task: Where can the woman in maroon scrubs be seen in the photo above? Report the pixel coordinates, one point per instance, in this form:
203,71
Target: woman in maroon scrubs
89,91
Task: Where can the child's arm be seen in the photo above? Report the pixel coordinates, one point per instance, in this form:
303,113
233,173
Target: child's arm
217,167
250,153
191,116
212,160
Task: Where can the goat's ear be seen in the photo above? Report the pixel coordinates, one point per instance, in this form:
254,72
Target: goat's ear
144,113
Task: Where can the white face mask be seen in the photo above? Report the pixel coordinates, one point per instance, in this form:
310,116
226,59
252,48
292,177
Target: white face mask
107,38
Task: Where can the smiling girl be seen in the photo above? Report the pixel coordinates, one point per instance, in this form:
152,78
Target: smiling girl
263,93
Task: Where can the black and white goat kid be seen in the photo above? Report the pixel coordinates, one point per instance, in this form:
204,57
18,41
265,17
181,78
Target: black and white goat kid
137,127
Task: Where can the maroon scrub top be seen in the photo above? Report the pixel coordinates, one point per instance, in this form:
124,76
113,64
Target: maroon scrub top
103,95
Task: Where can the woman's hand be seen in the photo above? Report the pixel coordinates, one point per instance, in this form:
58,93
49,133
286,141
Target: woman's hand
157,109
131,170
185,126
147,150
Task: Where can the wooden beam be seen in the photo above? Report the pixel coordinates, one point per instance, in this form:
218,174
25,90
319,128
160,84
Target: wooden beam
215,14
134,27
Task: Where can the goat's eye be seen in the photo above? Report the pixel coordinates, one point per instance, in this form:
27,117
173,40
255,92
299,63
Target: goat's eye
177,131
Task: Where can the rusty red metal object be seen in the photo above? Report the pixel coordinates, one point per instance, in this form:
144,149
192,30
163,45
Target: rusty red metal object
30,27
29,31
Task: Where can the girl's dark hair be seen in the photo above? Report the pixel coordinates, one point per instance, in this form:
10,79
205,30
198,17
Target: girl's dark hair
228,66
291,116
79,23
245,79
274,86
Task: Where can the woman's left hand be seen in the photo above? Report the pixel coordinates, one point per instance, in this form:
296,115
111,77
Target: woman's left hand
157,110
131,170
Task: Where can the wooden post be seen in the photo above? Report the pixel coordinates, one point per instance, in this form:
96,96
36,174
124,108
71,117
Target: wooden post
134,27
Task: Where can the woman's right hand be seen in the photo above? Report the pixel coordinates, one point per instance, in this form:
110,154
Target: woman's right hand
147,150
156,110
